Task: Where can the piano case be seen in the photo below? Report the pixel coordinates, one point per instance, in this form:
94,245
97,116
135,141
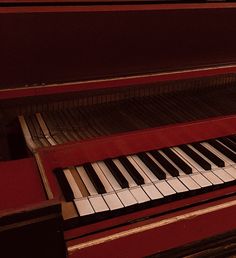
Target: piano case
98,58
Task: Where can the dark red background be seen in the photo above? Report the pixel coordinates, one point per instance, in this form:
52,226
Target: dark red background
49,45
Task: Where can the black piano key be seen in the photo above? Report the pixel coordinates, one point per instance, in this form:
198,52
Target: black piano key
131,170
224,150
165,163
64,184
156,170
211,156
198,159
178,161
227,142
232,138
94,178
116,173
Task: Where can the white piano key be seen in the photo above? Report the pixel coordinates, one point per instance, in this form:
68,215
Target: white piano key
126,197
74,187
231,171
125,173
159,165
112,201
225,146
200,179
98,203
139,170
223,175
145,169
212,178
115,185
152,191
189,182
139,194
83,206
217,153
101,176
213,166
89,185
164,188
195,167
177,185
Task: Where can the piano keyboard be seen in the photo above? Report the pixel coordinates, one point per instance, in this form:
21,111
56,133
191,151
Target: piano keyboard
49,128
144,178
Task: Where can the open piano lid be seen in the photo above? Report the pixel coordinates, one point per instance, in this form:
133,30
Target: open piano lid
47,42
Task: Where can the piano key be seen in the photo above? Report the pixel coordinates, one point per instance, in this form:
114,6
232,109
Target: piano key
198,159
74,187
187,159
139,170
126,197
83,206
164,188
184,178
211,177
213,166
116,173
94,178
231,171
200,179
115,185
144,168
165,163
112,201
139,194
228,143
110,196
223,175
177,185
98,203
104,181
201,176
84,176
125,173
152,191
79,181
224,150
178,161
64,184
232,138
189,182
156,170
226,160
131,170
210,155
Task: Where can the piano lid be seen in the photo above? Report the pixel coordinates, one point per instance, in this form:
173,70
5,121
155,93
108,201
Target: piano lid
45,44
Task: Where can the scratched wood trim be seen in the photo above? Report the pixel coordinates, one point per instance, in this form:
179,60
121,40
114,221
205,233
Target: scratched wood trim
147,227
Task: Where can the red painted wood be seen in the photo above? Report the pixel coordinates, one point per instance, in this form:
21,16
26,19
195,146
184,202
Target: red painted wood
64,44
158,210
20,184
161,238
115,82
136,141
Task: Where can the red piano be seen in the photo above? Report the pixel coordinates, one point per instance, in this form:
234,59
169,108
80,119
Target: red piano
118,129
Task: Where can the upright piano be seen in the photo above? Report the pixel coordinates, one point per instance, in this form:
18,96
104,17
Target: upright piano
117,128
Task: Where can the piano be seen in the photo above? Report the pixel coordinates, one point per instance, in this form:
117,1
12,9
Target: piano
118,129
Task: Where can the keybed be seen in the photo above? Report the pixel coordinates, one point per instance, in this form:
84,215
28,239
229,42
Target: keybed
148,177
